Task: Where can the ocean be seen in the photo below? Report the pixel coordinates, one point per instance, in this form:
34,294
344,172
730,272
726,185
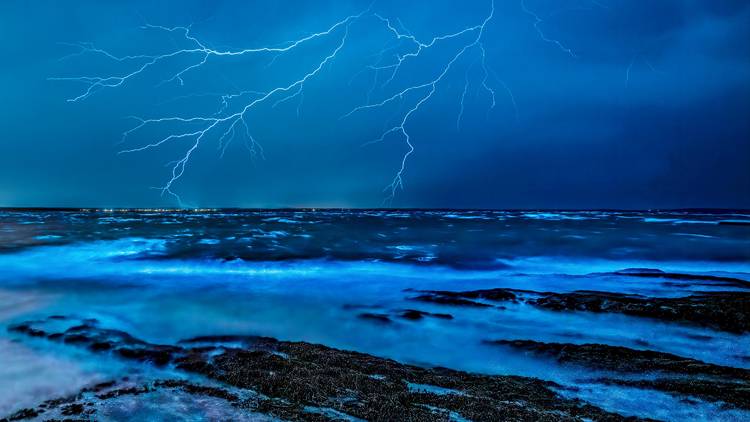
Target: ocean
347,279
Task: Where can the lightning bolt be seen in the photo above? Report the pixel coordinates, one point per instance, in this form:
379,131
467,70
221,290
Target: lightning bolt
538,22
231,120
221,121
426,90
462,104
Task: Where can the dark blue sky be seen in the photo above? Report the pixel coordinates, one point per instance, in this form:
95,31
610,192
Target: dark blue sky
652,109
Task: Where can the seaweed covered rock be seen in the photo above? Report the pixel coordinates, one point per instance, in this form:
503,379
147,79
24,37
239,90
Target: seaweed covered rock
726,311
662,371
465,298
302,381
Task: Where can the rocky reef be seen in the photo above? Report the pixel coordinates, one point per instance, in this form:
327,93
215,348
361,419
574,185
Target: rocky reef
685,378
649,369
726,311
301,381
712,280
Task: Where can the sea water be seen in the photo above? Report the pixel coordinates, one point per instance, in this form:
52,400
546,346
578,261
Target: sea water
308,275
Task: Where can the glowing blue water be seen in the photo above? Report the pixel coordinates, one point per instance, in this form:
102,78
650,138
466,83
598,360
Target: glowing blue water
307,276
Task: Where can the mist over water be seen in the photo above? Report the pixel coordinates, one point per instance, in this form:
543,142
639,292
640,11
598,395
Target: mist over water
310,276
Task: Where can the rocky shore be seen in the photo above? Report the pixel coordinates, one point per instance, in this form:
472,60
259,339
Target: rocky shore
261,378
300,381
649,369
725,311
685,378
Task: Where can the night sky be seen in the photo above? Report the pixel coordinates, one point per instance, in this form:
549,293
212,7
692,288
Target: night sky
649,109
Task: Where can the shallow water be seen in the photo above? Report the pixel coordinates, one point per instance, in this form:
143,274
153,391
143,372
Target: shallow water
307,276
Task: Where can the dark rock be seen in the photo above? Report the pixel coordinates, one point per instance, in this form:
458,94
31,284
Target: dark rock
302,380
76,328
101,345
441,316
127,391
101,386
623,359
294,376
730,392
72,409
195,389
23,414
382,318
25,328
652,273
412,314
449,300
726,311
499,294
76,338
157,356
489,294
415,315
675,374
84,406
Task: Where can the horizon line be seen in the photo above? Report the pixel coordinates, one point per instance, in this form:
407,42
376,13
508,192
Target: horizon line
314,209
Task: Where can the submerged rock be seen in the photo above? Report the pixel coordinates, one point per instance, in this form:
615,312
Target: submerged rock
731,393
725,311
302,381
169,399
466,298
453,300
488,294
665,372
415,315
382,318
654,273
624,359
